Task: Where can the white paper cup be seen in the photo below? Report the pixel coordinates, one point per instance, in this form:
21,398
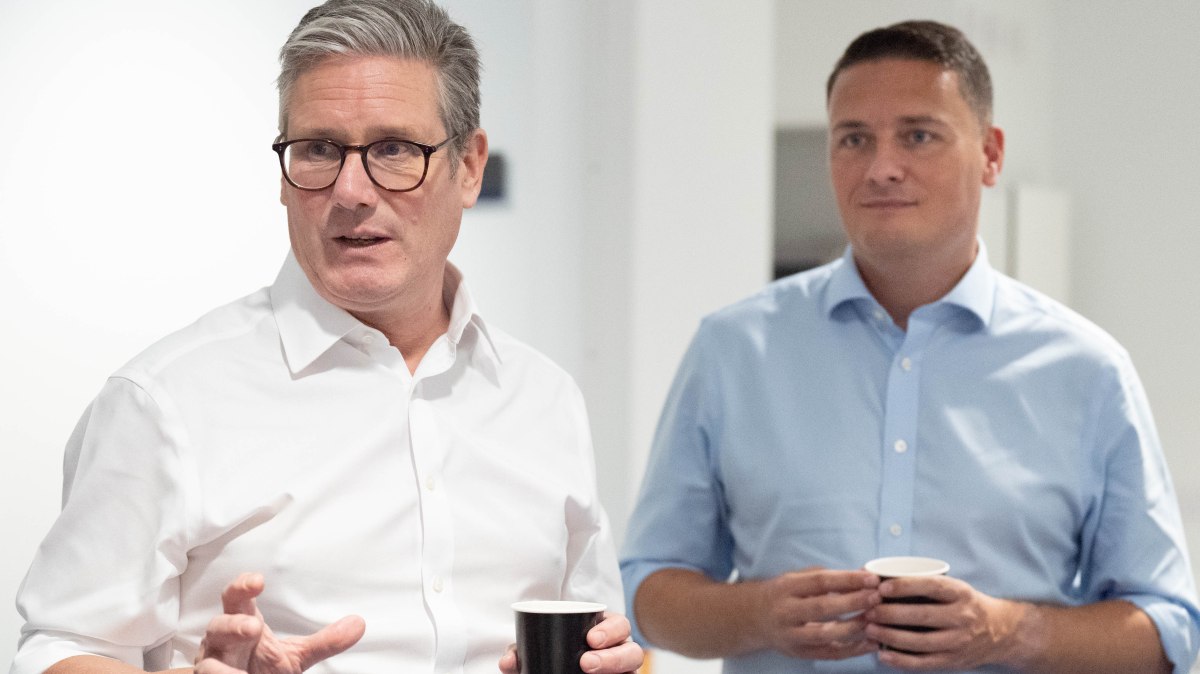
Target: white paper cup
907,567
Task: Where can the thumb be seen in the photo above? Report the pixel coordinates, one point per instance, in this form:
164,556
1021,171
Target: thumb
329,640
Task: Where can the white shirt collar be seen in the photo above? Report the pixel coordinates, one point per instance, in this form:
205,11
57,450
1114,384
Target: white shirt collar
309,325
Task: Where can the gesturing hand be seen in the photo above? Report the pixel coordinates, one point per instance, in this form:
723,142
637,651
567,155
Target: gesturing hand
240,642
815,613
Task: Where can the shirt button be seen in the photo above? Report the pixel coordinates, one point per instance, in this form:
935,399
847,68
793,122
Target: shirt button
896,529
879,315
438,586
900,446
368,338
906,364
430,483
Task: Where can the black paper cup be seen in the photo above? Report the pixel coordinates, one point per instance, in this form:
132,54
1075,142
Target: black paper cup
907,567
552,635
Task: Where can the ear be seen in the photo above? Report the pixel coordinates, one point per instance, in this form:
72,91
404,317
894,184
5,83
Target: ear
282,190
470,168
993,153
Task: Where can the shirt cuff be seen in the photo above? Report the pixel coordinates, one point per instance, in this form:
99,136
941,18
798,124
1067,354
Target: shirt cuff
40,650
1178,629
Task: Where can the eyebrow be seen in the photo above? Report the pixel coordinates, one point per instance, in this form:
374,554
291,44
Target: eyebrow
905,120
398,132
921,119
849,125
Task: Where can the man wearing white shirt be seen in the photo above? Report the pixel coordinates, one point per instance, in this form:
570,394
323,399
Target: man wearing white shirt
354,439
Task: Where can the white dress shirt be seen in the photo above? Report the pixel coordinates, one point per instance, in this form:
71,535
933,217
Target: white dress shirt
281,435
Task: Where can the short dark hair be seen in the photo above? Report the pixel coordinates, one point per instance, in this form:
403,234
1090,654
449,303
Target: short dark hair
925,41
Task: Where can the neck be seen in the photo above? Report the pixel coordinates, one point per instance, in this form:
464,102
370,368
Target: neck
901,286
413,330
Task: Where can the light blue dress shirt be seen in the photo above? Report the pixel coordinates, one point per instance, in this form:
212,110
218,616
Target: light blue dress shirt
1001,432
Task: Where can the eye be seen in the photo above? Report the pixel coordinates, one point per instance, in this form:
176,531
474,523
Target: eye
920,137
852,140
394,150
316,150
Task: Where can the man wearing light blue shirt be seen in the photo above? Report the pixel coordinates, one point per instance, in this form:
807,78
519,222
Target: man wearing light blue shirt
908,399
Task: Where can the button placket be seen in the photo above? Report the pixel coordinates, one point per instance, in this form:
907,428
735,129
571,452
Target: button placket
437,529
901,407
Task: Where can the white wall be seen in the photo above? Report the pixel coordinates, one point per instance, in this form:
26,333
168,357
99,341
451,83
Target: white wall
690,225
109,237
679,223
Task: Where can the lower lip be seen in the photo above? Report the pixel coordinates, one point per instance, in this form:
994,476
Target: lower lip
888,207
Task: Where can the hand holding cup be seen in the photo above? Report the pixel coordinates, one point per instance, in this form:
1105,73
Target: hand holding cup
889,568
552,635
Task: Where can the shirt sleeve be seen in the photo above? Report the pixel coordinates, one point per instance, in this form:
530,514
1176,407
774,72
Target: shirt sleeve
1134,549
678,521
103,582
592,573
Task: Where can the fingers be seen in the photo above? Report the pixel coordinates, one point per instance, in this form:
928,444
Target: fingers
231,639
915,662
960,631
614,653
819,595
238,596
611,631
936,603
816,613
618,659
791,611
508,661
841,632
938,588
813,582
329,640
833,640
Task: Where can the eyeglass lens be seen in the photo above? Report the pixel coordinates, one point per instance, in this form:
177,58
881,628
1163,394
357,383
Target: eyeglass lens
394,164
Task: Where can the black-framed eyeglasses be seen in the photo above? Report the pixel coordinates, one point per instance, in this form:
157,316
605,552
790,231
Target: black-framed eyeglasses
393,164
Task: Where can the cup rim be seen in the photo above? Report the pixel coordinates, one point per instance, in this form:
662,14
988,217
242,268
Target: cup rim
907,566
557,606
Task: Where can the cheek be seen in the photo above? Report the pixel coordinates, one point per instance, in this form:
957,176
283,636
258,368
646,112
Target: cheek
304,214
842,179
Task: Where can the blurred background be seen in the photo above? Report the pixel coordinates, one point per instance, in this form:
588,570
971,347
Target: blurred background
661,158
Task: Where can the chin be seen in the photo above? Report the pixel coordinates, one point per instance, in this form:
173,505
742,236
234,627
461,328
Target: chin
356,294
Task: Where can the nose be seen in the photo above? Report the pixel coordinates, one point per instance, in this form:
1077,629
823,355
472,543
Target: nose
887,164
353,188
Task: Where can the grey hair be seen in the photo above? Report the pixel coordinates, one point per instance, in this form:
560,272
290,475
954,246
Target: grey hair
405,29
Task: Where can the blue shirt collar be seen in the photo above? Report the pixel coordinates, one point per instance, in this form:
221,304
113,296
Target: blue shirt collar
975,292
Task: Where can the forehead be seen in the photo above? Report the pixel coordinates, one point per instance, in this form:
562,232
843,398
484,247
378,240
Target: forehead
353,95
888,89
